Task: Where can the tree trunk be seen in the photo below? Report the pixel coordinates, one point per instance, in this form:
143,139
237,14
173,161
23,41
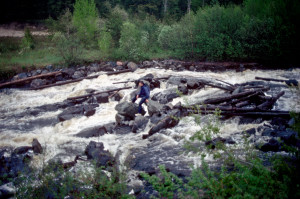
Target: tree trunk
29,79
189,2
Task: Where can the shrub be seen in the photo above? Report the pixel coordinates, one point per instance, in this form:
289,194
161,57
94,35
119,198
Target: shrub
85,19
133,41
105,42
27,41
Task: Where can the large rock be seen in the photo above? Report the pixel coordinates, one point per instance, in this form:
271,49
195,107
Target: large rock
102,98
154,107
78,74
194,84
127,109
22,149
7,191
183,89
132,66
140,122
121,119
272,145
36,146
167,122
165,96
75,111
37,83
92,132
95,151
176,80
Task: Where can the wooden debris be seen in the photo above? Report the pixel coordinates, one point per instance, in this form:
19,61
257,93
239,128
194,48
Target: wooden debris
97,93
29,79
79,79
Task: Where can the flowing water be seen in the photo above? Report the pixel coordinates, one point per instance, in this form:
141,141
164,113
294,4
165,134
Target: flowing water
18,129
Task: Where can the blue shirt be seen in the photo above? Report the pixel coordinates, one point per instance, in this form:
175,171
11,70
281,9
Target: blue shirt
145,92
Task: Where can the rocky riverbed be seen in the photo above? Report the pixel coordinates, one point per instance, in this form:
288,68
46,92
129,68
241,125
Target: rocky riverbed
43,125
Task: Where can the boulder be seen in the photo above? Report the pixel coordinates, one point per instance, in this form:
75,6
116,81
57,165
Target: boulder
75,111
78,74
95,151
92,132
165,96
194,84
22,149
127,109
140,122
176,80
217,140
7,190
37,83
167,122
22,75
121,119
102,98
68,72
183,89
154,107
272,145
132,66
36,146
89,112
250,132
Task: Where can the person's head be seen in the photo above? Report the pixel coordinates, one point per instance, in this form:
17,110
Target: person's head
141,83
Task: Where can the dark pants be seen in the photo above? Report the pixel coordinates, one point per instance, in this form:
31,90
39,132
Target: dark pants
143,100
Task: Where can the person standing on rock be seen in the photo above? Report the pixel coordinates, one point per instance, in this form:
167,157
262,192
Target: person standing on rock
144,94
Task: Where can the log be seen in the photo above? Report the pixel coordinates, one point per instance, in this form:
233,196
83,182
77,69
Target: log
269,103
218,86
96,93
159,78
246,98
79,79
29,79
241,104
230,97
270,79
65,82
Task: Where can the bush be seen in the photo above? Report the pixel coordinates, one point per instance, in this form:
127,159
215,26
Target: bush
85,19
105,42
27,41
133,42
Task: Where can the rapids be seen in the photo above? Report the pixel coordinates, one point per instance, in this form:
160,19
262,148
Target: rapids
18,126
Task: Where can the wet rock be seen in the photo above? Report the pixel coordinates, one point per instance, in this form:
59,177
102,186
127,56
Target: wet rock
7,190
269,132
154,107
92,132
37,83
191,68
59,78
288,136
117,97
272,145
127,109
95,151
68,72
36,146
165,96
140,122
49,68
176,80
121,119
22,149
78,74
132,66
291,122
22,76
147,63
89,112
75,111
251,131
217,140
102,98
194,84
292,82
45,71
167,122
281,123
183,89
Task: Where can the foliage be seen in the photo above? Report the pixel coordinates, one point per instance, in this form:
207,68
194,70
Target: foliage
85,19
27,41
55,182
105,42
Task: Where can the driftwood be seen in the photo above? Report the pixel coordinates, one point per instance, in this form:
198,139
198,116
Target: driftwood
230,97
269,103
159,78
29,79
79,79
96,93
270,79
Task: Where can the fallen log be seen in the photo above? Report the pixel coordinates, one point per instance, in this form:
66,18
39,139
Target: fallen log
229,97
290,82
246,98
79,79
269,103
159,78
29,79
218,86
96,93
241,104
